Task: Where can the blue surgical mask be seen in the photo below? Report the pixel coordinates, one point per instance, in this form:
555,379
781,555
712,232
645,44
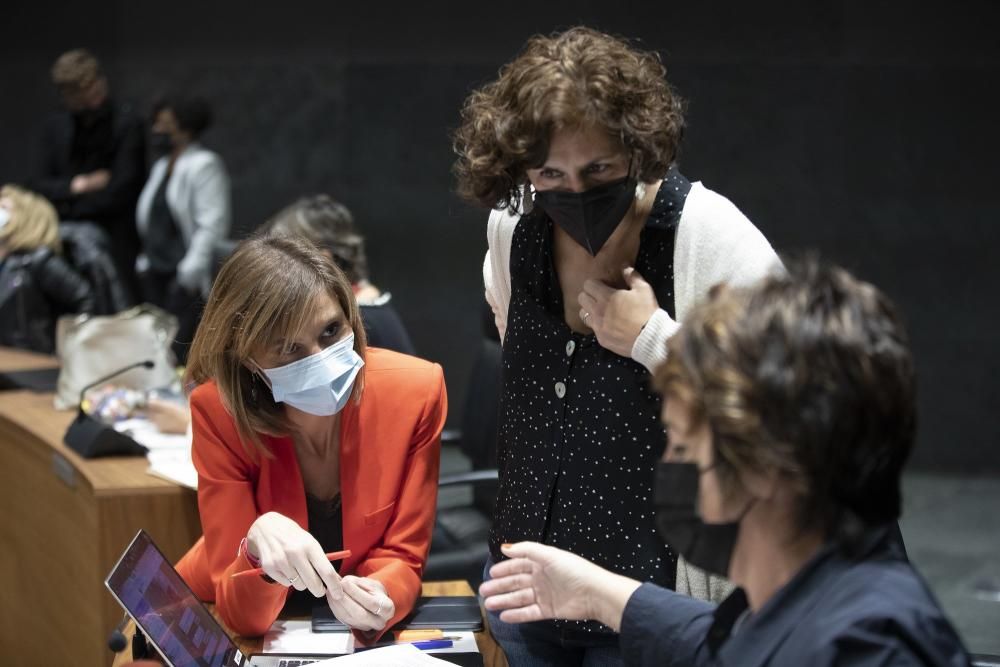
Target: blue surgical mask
321,383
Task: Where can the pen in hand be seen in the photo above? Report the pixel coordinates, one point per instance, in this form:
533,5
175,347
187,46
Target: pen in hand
335,555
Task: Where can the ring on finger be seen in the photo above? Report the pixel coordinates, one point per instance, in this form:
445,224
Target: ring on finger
293,579
381,600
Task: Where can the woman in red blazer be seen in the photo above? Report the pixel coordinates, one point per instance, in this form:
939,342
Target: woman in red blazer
305,442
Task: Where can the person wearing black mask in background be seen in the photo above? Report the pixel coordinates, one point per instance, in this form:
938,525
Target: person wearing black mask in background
790,409
183,212
92,160
598,247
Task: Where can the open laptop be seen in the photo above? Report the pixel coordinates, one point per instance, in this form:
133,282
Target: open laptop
176,622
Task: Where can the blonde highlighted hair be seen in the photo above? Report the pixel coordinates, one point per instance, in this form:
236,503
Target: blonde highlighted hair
266,291
33,222
75,70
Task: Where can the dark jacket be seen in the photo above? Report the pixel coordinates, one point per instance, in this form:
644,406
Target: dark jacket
873,609
35,289
384,328
87,249
115,141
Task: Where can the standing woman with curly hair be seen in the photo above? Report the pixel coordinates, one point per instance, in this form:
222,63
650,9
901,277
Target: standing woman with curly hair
598,247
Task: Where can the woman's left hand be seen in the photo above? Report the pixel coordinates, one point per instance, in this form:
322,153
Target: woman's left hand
617,315
363,605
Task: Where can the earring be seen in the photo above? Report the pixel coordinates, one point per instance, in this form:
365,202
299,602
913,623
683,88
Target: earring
640,190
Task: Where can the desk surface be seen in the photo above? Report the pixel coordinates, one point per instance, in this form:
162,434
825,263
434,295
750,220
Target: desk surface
26,414
22,360
69,520
492,655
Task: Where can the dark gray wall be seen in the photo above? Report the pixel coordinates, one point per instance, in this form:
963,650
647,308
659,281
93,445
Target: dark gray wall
865,130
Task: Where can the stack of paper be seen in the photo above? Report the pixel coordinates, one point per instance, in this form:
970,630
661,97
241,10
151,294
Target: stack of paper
400,655
296,637
169,454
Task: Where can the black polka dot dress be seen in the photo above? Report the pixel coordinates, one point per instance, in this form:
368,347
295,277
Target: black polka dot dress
580,427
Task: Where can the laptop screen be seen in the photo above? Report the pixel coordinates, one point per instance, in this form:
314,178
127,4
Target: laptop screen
168,612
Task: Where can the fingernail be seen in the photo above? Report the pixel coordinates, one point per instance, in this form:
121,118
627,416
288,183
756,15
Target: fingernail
506,545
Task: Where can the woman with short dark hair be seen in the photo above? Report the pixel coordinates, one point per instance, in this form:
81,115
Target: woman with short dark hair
598,248
183,212
790,410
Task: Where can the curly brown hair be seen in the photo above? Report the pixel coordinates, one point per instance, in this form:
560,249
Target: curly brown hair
577,78
808,375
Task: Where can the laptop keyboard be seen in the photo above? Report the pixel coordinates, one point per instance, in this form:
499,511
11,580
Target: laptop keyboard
295,663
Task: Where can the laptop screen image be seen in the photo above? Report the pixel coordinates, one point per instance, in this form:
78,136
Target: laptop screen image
168,612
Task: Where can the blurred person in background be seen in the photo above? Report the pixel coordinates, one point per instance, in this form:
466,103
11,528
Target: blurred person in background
329,225
183,212
36,284
92,158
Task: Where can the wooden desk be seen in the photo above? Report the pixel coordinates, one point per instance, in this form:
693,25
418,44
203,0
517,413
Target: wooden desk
67,520
492,654
22,360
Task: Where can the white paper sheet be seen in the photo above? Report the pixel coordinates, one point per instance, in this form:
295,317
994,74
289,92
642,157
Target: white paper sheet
400,655
169,454
296,636
145,433
174,465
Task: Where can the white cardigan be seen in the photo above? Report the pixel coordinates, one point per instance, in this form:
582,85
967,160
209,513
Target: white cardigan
715,243
199,200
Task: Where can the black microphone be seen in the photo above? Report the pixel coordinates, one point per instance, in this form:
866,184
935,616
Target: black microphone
90,437
116,640
147,364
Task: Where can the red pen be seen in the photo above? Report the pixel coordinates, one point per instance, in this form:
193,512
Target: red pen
336,555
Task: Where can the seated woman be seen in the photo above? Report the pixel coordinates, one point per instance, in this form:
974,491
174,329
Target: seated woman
36,284
790,411
330,226
307,442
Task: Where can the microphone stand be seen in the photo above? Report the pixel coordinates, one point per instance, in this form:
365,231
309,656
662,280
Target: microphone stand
91,438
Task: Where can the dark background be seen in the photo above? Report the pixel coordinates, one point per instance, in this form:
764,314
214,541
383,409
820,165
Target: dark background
865,130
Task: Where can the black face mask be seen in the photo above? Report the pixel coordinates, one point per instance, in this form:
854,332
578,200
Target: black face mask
589,217
161,143
708,546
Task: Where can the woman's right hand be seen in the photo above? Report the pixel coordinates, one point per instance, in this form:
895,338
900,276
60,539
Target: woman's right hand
541,582
291,556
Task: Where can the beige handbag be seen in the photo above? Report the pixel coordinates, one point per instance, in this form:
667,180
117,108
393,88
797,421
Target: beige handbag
90,347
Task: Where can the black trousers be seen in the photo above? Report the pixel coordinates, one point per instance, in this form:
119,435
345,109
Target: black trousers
162,290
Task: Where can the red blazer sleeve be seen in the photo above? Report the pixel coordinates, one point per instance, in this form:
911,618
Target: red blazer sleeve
398,560
227,505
